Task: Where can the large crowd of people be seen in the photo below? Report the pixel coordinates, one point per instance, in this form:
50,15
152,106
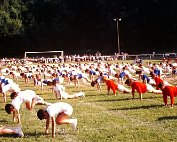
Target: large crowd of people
130,78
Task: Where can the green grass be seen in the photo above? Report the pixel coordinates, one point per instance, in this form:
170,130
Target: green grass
101,118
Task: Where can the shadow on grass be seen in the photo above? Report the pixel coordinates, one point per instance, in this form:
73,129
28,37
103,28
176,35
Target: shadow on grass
2,109
126,99
113,100
9,135
139,107
153,97
34,134
92,95
3,121
167,118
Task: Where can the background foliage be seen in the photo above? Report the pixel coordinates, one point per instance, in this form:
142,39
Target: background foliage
38,25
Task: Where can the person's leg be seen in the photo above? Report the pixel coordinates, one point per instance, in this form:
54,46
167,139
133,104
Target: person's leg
76,82
133,95
79,94
38,100
5,130
123,89
26,79
153,90
35,81
165,99
30,105
41,84
172,100
84,80
63,118
141,96
99,86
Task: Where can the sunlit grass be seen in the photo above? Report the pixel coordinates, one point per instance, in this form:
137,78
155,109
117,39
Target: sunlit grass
100,118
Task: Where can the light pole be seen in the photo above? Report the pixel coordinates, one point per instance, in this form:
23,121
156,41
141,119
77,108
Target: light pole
118,43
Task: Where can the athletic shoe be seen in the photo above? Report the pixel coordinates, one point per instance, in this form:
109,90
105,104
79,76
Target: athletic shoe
19,131
74,124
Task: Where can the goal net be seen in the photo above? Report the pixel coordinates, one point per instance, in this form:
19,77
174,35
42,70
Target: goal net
48,56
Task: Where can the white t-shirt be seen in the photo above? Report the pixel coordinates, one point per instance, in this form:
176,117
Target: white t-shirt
57,108
59,89
23,96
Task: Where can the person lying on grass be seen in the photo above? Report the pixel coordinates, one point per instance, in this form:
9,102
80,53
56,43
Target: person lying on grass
16,130
141,88
112,85
28,97
59,114
168,91
59,91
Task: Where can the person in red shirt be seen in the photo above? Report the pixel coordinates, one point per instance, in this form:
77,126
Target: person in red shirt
158,80
114,87
138,86
141,88
170,91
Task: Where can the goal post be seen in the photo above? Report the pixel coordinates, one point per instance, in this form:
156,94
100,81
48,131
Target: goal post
47,54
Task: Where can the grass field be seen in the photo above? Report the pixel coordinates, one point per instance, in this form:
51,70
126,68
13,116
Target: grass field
101,118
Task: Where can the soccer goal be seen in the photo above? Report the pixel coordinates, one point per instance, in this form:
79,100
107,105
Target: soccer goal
45,54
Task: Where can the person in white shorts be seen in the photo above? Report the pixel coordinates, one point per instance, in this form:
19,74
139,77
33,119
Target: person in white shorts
59,91
59,114
11,130
28,97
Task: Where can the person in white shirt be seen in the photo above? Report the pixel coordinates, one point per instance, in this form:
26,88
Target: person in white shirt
59,114
28,97
7,84
59,91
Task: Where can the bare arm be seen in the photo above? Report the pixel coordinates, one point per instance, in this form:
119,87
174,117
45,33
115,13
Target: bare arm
18,116
108,88
98,86
47,125
14,115
53,127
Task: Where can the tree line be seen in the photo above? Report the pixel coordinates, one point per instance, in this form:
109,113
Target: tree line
87,25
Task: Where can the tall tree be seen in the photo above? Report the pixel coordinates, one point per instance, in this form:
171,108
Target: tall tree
10,18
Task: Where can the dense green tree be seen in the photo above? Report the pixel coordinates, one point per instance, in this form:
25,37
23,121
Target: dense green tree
10,18
73,25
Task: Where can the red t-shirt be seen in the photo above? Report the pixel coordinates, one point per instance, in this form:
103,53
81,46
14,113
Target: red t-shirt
157,81
170,91
111,85
139,87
